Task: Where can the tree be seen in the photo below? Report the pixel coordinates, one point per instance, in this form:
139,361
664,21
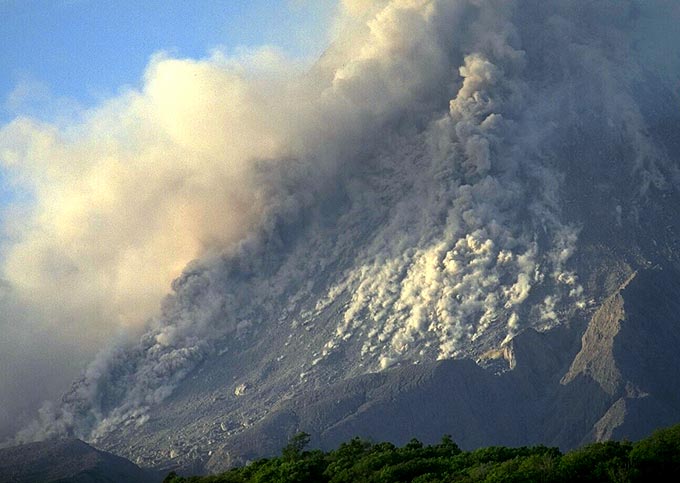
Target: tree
593,462
657,458
297,443
448,446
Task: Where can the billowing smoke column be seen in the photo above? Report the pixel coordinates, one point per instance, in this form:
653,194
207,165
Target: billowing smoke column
403,200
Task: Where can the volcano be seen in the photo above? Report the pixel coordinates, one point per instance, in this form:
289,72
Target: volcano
475,231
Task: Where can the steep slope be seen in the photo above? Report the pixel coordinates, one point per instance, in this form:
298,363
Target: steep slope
645,354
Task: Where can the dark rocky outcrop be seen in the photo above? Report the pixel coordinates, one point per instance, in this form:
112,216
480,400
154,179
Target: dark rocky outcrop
68,461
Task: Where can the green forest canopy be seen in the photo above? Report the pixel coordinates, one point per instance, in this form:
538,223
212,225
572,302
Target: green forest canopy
656,458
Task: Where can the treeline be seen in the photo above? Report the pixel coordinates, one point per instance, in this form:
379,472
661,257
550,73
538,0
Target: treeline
656,459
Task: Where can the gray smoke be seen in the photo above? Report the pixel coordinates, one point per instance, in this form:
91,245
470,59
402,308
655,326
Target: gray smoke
405,200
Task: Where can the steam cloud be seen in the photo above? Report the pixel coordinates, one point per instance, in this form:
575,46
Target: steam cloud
417,168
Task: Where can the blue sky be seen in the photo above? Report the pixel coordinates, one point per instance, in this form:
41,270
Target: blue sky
85,50
60,55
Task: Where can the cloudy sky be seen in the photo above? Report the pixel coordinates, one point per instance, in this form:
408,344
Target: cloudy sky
69,54
86,50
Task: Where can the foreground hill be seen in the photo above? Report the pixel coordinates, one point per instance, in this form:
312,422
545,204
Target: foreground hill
67,461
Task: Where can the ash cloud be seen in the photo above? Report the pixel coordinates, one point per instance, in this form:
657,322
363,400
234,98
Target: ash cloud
123,197
419,169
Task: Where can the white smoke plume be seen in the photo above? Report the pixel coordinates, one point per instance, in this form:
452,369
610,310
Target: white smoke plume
124,197
418,168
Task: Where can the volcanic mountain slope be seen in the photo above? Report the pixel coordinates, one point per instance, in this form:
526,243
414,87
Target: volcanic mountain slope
487,171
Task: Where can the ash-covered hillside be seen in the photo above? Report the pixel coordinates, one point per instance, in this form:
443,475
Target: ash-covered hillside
460,175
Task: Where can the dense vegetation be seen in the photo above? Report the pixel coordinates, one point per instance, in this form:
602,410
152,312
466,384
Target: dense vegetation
656,458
